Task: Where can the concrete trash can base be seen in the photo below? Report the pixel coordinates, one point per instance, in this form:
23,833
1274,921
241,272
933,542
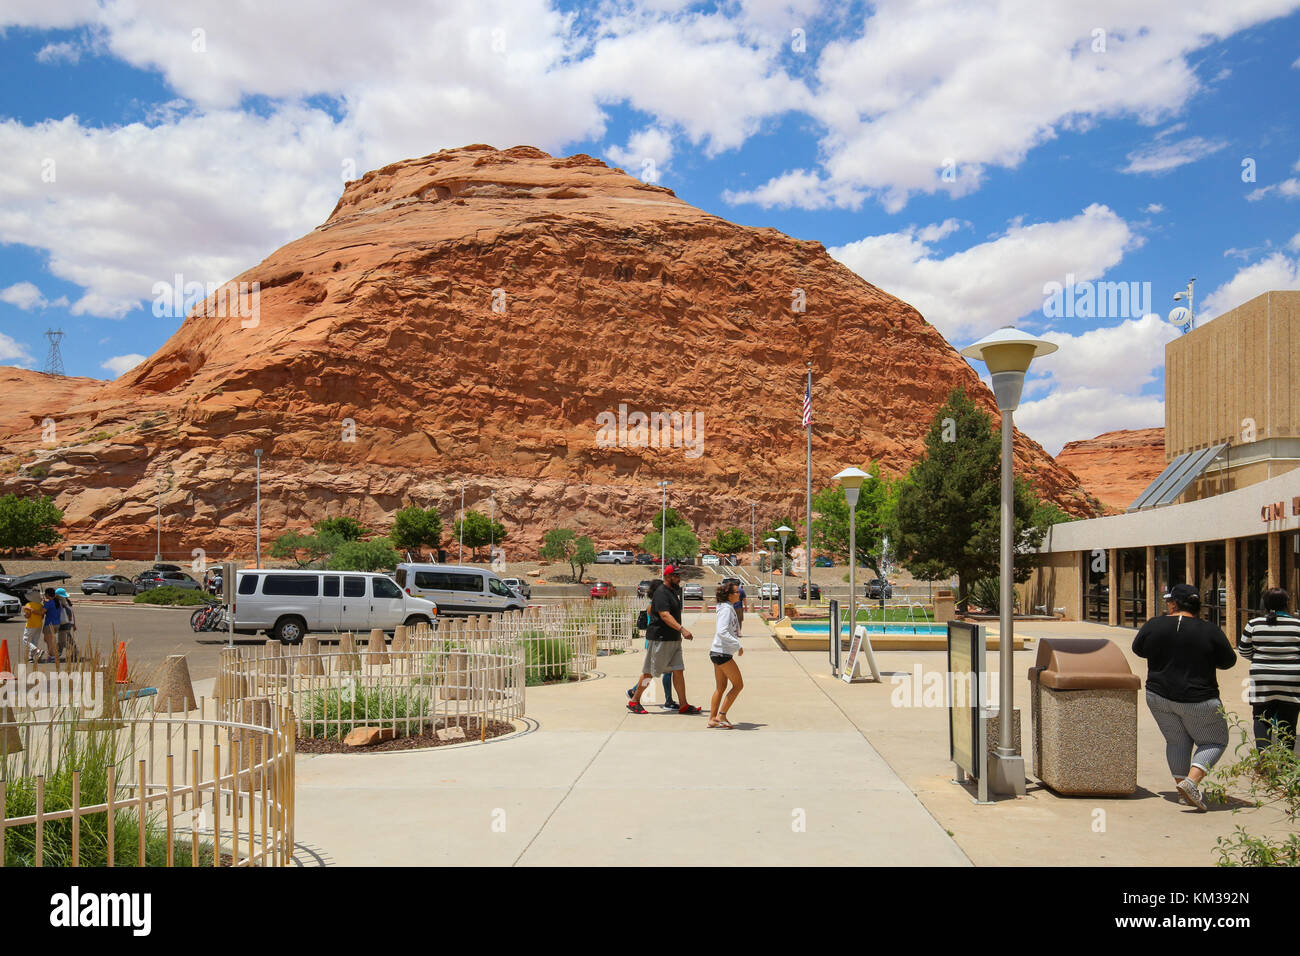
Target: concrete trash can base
1084,705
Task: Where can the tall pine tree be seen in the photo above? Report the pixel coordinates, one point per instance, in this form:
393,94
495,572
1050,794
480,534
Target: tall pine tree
948,514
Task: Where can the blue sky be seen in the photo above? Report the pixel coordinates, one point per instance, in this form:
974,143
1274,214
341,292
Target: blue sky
960,156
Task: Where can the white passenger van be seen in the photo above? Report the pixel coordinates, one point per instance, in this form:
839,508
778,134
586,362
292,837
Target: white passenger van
287,604
458,589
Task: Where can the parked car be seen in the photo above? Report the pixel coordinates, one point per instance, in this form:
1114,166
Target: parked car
769,592
86,552
519,586
877,588
693,592
458,589
643,589
287,605
10,606
823,561
19,585
153,578
603,589
710,560
110,584
816,592
615,557
647,559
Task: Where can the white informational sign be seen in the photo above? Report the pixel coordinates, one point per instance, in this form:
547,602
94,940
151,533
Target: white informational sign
859,647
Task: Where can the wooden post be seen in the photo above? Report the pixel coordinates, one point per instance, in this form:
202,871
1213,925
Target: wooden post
1274,575
1150,595
1189,559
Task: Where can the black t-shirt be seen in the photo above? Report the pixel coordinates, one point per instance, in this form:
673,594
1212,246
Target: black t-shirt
1182,654
666,599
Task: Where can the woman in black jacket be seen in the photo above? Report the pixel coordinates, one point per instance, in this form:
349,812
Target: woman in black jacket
1182,653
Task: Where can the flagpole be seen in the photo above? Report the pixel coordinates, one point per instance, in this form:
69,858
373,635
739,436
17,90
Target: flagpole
807,541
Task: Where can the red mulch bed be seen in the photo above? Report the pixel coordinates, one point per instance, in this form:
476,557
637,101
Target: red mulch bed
426,738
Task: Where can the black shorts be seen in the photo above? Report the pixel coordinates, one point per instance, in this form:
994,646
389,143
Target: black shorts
720,659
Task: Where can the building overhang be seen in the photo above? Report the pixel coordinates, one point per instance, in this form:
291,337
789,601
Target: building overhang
1272,505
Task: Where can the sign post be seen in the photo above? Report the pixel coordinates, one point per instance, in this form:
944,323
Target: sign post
967,722
834,643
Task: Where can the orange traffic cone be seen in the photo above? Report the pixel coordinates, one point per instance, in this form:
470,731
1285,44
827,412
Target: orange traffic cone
5,666
121,663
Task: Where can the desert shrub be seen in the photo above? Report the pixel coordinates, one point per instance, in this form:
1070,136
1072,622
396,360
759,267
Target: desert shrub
170,595
1268,778
546,659
335,711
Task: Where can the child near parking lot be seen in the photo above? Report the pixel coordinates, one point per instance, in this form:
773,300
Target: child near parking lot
67,624
35,612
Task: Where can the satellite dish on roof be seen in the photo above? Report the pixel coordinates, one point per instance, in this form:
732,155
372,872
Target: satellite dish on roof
1179,316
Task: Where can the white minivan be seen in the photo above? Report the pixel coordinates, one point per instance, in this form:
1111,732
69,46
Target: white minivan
458,589
287,604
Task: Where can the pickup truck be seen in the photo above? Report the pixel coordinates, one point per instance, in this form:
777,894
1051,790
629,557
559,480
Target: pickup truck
519,586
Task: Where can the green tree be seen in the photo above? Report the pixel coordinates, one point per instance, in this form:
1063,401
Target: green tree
682,543
479,531
947,516
318,547
729,541
671,518
26,523
348,529
564,544
830,531
416,529
377,554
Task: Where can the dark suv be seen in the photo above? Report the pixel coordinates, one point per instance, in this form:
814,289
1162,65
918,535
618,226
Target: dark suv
877,589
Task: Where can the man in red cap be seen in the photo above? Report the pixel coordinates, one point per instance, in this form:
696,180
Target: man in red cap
664,647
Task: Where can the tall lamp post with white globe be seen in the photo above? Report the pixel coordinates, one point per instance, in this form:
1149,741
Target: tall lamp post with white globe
784,531
771,567
851,480
1007,353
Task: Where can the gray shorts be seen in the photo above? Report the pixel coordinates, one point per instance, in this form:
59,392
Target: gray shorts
661,656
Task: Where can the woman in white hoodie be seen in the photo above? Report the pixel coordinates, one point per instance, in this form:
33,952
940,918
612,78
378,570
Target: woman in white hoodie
726,647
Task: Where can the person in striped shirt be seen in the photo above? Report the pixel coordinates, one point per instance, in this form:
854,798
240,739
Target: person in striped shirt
1272,645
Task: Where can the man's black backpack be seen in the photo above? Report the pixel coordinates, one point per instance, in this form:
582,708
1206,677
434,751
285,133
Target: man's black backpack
643,620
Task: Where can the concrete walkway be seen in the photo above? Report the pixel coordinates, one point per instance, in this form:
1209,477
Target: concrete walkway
797,783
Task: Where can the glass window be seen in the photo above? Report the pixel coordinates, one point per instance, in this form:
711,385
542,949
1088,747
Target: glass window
354,586
401,577
432,581
384,588
496,587
469,583
295,585
248,584
331,585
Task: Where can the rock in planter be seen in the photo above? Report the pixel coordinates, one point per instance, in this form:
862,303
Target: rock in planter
363,737
452,733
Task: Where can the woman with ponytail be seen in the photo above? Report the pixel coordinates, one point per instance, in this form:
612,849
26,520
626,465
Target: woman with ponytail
1272,645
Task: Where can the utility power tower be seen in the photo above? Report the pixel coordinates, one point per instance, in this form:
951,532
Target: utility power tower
54,358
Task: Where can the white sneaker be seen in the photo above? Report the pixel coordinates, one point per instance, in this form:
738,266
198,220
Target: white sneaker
1192,793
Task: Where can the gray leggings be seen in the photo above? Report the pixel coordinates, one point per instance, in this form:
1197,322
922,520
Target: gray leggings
1185,726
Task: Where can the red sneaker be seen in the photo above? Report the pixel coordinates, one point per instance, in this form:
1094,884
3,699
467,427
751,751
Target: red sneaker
636,707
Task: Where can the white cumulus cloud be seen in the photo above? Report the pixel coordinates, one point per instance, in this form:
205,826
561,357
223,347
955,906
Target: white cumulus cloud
1276,272
24,295
121,364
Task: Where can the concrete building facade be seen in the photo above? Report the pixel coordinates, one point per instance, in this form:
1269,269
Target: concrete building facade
1225,514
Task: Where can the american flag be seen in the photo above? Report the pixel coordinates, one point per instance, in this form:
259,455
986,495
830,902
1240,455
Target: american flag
807,407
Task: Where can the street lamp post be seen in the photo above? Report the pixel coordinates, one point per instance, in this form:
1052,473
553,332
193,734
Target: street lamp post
461,558
257,454
753,537
158,551
1007,353
492,531
663,525
771,565
851,480
784,532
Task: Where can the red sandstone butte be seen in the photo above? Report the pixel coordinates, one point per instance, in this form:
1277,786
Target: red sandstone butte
470,314
1115,467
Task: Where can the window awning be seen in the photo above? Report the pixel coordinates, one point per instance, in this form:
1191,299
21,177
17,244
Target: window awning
1178,474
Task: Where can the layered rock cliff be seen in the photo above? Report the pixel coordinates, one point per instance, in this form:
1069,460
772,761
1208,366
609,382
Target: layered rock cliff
480,315
1116,466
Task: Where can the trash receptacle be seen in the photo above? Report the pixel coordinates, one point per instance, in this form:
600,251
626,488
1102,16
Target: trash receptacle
1084,706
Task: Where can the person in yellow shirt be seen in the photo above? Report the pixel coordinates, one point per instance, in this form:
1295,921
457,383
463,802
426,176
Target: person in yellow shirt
35,612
